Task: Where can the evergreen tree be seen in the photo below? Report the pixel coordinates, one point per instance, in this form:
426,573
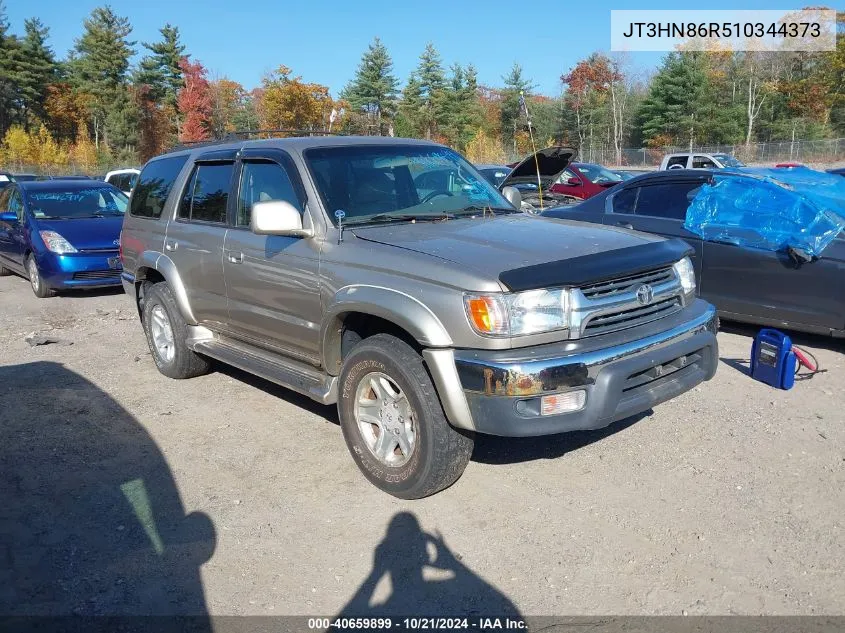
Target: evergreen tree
10,59
409,112
37,69
681,107
373,90
431,82
160,70
99,68
515,83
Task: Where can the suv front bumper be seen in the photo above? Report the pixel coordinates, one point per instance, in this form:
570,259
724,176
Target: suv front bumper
623,374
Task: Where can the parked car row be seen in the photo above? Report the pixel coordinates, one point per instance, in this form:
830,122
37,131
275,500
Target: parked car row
392,278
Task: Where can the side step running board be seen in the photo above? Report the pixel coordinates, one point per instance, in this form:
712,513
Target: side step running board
288,373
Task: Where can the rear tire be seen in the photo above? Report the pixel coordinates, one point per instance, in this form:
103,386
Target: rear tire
393,423
36,281
167,333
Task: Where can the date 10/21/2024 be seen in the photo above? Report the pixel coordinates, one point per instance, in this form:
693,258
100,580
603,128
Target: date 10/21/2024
417,624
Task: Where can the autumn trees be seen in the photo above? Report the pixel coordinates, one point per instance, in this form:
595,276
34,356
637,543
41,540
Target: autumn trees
114,100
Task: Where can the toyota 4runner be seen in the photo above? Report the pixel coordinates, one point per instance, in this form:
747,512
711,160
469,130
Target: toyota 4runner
389,277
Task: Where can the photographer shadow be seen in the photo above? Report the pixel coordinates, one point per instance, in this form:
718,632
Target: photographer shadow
93,523
427,580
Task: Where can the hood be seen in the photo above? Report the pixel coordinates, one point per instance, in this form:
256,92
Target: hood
494,245
86,233
551,162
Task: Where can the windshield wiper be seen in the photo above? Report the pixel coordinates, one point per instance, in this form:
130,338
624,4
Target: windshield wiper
469,210
401,217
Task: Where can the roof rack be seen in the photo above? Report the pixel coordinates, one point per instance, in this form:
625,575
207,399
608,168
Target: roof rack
246,135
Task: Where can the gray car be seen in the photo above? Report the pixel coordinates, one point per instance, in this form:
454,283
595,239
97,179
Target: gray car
391,278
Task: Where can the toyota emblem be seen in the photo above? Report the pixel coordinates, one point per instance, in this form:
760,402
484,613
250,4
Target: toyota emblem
645,294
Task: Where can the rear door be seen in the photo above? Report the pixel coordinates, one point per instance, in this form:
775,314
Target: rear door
195,237
272,280
770,287
661,208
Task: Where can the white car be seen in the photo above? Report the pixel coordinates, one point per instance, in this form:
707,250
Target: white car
123,179
688,160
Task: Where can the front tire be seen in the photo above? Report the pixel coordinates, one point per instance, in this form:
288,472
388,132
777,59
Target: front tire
393,423
167,333
36,281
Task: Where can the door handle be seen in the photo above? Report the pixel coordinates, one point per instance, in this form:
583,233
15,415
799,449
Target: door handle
625,225
235,258
171,245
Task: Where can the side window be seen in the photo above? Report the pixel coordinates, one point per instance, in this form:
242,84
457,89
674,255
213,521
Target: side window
207,193
702,162
154,185
262,181
15,204
677,162
4,199
668,201
566,176
625,201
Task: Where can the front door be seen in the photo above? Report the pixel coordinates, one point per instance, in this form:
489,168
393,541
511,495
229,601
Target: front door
770,286
272,283
12,231
194,239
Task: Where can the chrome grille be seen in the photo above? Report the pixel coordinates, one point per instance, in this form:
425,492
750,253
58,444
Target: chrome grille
630,316
97,274
622,284
613,304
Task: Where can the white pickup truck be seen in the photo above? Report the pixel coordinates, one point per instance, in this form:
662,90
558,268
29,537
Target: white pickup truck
689,160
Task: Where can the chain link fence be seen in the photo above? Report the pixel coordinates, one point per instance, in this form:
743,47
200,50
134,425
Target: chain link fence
818,152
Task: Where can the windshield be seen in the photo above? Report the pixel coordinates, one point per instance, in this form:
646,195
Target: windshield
597,173
64,204
728,161
399,182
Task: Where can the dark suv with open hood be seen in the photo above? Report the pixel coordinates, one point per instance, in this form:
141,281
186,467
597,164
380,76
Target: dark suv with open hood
387,276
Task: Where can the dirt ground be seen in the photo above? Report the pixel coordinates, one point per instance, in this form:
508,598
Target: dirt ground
127,492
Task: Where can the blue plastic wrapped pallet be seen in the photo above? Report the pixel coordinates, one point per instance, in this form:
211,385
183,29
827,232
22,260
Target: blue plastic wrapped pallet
770,209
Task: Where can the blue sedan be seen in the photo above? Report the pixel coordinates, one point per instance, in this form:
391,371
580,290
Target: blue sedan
62,234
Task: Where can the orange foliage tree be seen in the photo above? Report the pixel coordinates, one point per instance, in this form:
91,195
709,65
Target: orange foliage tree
194,102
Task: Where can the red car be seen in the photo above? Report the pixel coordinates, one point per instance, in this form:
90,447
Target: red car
585,180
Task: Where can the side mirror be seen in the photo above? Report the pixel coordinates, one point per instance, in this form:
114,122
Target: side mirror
513,196
8,217
277,217
573,182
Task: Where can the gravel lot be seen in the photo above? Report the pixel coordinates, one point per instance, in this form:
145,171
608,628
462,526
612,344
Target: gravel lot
129,492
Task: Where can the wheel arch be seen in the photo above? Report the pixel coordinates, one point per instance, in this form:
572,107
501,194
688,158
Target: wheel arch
377,309
155,267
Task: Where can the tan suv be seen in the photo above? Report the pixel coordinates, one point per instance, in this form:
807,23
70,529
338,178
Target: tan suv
428,309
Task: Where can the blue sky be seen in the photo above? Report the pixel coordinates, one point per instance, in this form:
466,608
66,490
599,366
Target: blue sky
323,40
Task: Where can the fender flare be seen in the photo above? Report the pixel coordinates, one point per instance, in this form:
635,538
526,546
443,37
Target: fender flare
395,306
164,265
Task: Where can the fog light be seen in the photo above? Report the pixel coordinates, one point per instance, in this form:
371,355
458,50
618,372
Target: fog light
563,402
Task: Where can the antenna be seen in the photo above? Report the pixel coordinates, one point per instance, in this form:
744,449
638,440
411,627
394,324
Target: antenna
339,215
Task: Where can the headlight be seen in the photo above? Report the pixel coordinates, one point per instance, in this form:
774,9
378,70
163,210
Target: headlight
55,243
686,273
529,312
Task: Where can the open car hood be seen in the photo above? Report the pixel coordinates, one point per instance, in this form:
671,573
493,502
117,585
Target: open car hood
551,162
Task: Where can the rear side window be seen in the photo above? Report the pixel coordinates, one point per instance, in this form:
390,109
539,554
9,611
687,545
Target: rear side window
702,162
667,201
207,193
154,186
